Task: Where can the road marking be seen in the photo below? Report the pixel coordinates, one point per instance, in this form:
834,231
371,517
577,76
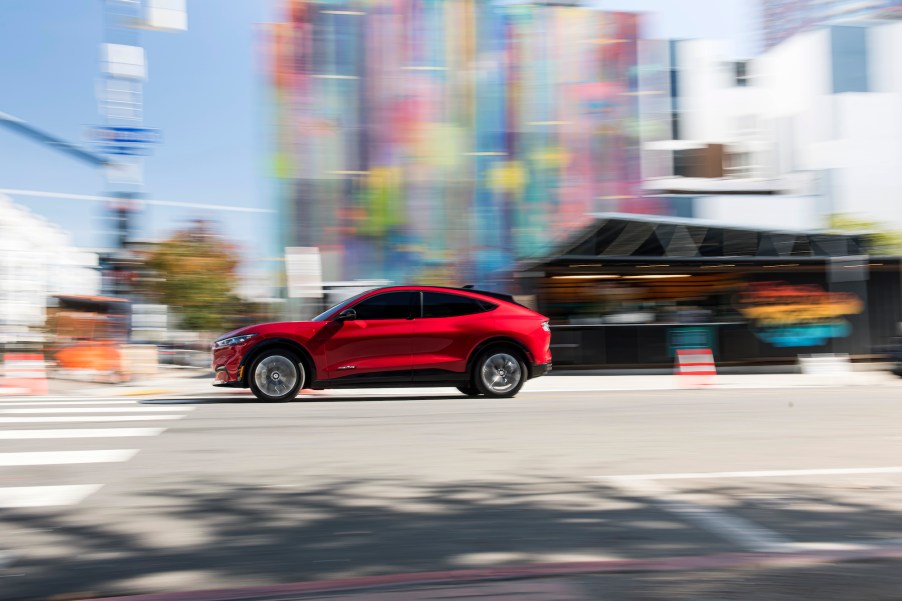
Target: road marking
65,457
45,496
746,534
59,397
21,403
79,433
85,418
763,474
95,410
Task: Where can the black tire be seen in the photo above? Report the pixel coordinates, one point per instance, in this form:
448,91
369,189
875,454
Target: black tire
510,372
271,377
469,390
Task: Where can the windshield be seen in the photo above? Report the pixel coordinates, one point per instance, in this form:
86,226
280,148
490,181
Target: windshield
337,308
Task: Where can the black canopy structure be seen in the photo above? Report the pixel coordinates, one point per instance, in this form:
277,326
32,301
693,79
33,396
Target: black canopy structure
627,290
628,238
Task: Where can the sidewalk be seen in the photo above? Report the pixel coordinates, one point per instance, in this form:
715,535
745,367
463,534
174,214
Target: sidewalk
197,382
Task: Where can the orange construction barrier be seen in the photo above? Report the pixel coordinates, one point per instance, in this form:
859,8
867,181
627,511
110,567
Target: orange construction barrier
696,366
25,371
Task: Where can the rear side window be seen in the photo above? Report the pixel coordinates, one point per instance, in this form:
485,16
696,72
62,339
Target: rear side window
437,304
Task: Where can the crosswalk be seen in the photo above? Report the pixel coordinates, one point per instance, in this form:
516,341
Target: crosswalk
71,421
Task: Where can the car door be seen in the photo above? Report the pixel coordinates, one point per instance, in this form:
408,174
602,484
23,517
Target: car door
376,345
450,326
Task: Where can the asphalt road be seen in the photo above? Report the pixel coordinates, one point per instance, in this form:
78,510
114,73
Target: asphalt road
118,496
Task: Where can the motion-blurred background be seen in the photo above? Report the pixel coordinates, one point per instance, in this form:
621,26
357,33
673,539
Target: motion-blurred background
652,175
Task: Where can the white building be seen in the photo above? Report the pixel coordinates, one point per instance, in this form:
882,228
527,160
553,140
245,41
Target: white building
833,103
708,153
37,261
811,128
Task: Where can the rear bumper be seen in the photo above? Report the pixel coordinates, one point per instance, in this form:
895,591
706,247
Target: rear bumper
539,369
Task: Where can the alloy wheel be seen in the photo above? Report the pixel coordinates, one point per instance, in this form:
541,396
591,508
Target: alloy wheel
501,373
276,375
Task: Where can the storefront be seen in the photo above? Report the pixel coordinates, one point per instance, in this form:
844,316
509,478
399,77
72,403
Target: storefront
630,290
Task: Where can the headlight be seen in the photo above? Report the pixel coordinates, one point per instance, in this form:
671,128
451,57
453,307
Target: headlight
545,326
232,341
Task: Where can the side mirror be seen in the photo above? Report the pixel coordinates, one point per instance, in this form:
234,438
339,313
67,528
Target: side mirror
347,315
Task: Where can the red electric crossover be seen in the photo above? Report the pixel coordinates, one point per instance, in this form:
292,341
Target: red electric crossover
479,342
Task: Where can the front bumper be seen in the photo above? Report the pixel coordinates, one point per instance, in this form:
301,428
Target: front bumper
228,376
539,369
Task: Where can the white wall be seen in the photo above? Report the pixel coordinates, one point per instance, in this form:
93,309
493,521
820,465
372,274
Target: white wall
793,74
771,212
852,142
37,261
712,109
702,74
885,45
869,134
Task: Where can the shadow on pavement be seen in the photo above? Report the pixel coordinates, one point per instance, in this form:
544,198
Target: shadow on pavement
226,534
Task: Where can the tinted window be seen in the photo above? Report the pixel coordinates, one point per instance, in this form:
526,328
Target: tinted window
337,308
436,304
391,305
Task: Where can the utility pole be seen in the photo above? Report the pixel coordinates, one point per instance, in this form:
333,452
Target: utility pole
120,90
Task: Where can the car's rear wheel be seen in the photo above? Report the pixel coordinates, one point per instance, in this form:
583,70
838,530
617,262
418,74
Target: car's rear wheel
469,390
276,375
500,373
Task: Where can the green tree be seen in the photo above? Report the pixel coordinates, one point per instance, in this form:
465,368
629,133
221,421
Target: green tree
195,273
879,240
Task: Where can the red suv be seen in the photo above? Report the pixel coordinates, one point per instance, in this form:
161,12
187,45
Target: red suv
479,342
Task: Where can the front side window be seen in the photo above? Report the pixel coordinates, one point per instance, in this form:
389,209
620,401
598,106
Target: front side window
338,307
391,305
438,304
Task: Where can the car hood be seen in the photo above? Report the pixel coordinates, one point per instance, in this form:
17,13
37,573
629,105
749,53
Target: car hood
288,328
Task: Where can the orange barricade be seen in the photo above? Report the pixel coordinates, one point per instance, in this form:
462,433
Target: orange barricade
25,371
696,366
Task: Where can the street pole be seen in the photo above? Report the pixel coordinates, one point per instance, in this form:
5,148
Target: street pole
123,70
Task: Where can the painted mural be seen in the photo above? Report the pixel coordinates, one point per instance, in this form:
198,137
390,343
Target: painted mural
444,139
787,315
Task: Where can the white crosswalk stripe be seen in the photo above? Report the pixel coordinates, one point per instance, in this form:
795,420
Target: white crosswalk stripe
21,403
65,457
68,411
94,410
85,418
45,496
78,433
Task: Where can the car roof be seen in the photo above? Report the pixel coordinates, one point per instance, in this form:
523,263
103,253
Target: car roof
465,291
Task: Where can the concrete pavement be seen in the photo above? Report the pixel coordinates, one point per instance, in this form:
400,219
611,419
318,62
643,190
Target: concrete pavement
198,382
215,491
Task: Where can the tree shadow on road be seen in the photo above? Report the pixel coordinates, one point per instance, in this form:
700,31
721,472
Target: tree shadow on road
255,535
222,534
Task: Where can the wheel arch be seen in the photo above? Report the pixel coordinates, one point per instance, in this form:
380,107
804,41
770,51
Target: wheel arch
274,343
501,341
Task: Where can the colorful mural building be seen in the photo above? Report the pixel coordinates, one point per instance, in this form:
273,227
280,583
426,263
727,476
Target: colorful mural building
442,140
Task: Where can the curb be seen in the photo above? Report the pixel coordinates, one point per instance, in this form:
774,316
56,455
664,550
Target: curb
521,572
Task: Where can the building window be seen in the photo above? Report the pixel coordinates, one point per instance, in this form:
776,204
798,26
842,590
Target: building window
741,74
849,45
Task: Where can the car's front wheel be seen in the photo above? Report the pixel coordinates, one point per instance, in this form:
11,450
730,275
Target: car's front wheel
276,375
500,373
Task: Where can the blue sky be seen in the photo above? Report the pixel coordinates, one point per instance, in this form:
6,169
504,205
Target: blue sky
737,21
208,95
205,91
